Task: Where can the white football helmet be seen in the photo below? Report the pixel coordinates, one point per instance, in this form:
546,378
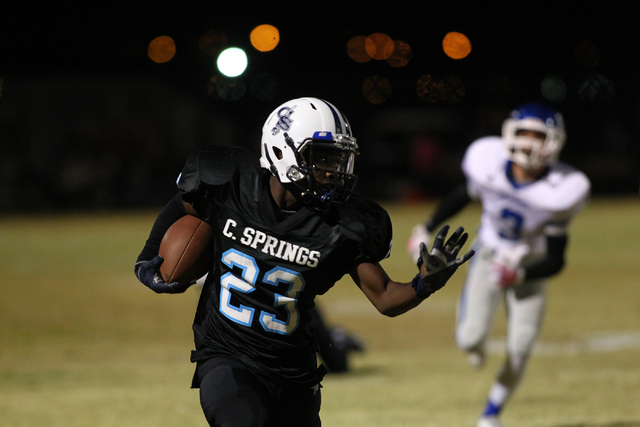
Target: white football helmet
308,135
527,151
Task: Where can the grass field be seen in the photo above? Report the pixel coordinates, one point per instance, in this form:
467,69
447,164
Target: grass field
82,343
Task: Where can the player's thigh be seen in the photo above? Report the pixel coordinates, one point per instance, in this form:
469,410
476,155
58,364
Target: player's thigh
525,307
297,407
230,395
478,302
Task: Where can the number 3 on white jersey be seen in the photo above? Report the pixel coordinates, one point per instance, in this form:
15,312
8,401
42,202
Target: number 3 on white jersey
512,223
244,314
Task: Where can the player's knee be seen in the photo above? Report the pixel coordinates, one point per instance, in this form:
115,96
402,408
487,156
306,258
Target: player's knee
469,338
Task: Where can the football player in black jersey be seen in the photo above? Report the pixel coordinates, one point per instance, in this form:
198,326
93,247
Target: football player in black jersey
288,226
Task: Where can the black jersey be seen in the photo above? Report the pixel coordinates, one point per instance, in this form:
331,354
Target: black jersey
266,273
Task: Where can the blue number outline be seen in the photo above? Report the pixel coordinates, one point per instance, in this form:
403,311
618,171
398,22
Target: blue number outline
243,314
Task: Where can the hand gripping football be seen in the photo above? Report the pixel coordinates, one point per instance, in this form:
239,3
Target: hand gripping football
187,249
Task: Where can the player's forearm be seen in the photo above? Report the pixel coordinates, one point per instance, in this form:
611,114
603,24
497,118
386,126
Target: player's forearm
390,298
553,263
172,211
398,299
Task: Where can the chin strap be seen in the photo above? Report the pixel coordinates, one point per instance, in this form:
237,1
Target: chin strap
315,203
329,196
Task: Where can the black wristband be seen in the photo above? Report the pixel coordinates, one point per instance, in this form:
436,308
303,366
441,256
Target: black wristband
417,285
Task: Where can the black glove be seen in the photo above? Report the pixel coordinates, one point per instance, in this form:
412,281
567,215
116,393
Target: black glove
441,263
148,272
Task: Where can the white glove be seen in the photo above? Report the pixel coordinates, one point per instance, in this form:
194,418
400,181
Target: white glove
419,234
506,270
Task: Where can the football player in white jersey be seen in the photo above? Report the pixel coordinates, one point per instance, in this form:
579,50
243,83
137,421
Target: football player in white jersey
528,198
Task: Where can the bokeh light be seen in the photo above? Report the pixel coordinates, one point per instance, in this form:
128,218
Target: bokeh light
356,49
265,87
453,90
212,42
379,46
401,54
553,88
229,89
432,89
376,89
596,88
232,62
265,37
456,45
161,49
587,54
428,88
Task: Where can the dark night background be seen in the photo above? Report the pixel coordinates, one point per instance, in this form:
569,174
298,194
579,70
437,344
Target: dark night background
87,120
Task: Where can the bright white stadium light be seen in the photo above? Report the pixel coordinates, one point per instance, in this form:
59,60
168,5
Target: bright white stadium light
232,62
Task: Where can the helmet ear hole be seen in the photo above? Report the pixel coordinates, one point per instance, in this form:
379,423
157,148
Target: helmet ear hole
277,152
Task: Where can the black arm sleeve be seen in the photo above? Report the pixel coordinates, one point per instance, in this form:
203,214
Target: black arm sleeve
553,263
173,211
450,205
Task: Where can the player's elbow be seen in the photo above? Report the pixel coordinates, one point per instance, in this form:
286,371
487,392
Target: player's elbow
390,312
548,268
554,265
397,308
557,267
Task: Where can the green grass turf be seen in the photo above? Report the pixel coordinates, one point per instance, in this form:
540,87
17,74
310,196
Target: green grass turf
82,343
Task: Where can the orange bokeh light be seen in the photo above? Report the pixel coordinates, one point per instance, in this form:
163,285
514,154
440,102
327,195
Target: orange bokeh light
212,42
434,89
376,89
161,49
429,88
265,37
379,46
401,54
356,49
456,45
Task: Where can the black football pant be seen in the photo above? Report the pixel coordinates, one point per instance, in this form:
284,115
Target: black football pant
233,396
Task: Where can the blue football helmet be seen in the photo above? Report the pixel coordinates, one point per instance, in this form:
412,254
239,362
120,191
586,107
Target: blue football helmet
528,151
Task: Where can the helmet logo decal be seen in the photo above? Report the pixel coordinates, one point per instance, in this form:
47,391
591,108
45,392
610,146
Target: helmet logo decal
284,120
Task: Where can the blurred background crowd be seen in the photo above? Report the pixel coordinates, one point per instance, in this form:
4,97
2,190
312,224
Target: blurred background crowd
92,117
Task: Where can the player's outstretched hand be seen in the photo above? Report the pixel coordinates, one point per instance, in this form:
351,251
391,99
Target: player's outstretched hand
148,272
437,266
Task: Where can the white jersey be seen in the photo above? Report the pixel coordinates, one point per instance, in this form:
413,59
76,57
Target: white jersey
516,218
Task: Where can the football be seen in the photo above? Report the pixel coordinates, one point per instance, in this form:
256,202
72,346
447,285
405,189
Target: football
187,249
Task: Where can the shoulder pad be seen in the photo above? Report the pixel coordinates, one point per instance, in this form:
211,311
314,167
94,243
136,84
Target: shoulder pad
370,225
214,165
571,189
